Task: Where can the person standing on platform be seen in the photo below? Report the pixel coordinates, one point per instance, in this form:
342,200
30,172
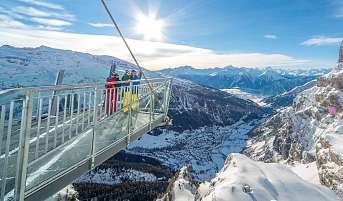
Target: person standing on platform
112,96
135,79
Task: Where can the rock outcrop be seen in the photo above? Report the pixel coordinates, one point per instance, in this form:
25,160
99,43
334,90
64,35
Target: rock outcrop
330,161
244,179
182,187
307,131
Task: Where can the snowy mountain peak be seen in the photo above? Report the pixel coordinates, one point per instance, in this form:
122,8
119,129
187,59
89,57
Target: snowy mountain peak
260,81
6,46
38,66
271,74
244,179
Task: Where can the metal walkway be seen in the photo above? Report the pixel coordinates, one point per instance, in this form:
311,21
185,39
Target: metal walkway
49,136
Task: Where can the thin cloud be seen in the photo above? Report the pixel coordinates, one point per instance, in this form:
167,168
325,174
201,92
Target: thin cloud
270,36
322,40
9,22
34,12
10,13
51,22
44,4
174,55
31,11
52,28
12,19
100,25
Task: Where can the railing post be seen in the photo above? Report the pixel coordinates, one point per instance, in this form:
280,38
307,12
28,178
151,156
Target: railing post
7,150
22,160
165,96
129,116
94,125
153,105
2,124
167,99
150,111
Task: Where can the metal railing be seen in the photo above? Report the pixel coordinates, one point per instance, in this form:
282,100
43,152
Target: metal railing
47,131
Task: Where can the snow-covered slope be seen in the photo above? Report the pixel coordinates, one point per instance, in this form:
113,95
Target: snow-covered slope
309,130
182,188
295,131
245,95
286,99
39,66
244,179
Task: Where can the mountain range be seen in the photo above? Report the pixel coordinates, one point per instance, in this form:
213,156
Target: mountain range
261,81
39,66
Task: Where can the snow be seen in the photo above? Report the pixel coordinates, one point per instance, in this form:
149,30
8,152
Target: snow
243,179
308,117
336,142
183,189
39,66
205,149
246,96
307,132
271,75
268,181
308,172
153,142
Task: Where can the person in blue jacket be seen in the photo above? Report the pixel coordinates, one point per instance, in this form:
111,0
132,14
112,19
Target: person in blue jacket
135,78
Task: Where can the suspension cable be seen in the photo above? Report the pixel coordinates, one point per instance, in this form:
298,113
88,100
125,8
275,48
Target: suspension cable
126,44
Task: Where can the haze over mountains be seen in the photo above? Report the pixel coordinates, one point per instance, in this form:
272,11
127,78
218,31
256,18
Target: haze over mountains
262,81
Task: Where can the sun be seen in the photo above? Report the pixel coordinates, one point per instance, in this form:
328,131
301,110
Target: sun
150,27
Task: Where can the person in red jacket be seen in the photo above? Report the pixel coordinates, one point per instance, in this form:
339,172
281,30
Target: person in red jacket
112,96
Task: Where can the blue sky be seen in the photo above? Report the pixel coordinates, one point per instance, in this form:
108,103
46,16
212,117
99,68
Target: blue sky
202,33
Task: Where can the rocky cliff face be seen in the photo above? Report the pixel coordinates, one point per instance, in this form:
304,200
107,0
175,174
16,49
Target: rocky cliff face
330,161
307,131
182,187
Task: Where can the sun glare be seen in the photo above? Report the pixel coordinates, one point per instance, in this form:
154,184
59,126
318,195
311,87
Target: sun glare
150,27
